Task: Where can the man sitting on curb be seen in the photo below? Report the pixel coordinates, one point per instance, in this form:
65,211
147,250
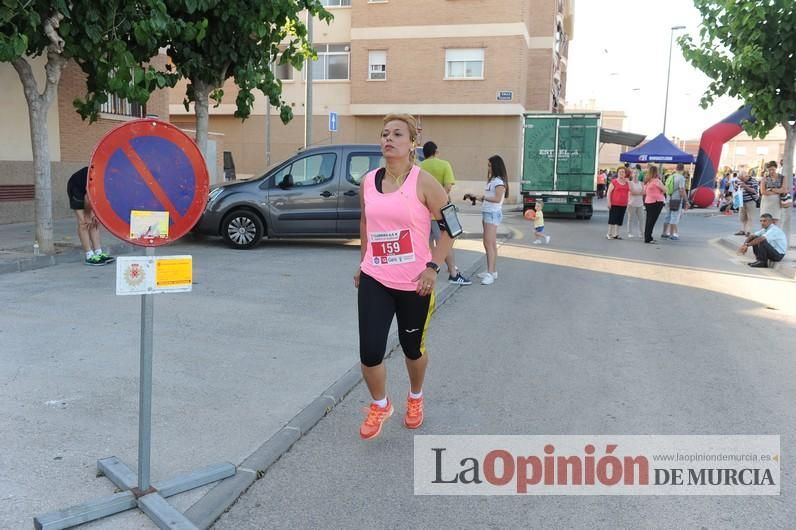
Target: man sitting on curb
767,243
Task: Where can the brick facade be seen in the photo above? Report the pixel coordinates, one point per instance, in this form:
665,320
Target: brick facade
439,12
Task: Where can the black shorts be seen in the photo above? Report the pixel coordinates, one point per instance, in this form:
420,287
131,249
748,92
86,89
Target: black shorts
76,189
77,203
377,306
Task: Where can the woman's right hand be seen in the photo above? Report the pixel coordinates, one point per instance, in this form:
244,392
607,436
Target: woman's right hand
356,277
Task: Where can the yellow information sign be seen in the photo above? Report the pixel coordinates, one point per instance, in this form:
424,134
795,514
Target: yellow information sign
174,272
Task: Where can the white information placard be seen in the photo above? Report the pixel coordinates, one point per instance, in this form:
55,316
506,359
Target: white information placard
153,274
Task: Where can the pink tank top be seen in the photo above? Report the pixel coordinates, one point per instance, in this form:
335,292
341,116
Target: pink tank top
398,226
652,192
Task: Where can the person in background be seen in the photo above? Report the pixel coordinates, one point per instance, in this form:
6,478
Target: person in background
770,188
677,203
751,195
601,184
654,195
87,223
635,207
497,188
442,171
618,197
538,225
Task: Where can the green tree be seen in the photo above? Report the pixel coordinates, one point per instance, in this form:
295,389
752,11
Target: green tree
748,49
110,40
244,37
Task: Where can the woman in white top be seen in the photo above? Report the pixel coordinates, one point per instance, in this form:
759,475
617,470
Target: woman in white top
635,207
497,188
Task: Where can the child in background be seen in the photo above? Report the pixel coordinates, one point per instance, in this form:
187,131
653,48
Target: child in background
538,225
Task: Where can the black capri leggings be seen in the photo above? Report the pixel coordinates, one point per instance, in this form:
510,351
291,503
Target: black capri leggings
653,211
377,305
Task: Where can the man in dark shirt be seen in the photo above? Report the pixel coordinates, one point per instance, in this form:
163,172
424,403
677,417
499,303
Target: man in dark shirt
87,224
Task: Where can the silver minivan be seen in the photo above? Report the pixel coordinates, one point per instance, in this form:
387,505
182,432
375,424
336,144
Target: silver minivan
314,193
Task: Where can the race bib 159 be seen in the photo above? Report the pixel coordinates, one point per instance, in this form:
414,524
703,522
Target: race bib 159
392,248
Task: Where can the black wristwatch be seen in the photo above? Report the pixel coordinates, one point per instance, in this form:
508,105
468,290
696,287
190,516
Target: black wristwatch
433,266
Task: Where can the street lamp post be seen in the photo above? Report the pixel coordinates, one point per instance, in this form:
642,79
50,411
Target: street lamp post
308,90
668,74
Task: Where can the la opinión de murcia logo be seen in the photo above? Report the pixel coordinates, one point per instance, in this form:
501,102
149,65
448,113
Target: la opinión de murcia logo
500,467
477,467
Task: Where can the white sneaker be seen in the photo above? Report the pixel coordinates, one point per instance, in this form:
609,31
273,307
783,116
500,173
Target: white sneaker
546,240
488,279
484,274
630,236
537,241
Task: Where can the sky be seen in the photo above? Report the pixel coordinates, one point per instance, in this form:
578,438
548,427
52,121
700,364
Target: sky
618,56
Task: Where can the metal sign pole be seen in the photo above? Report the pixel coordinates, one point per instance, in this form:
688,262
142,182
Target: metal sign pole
145,392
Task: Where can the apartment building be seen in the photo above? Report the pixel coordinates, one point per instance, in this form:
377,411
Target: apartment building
466,69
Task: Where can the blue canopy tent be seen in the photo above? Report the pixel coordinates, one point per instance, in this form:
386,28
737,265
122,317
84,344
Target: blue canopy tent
659,150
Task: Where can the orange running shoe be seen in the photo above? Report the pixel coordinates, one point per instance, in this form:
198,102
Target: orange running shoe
414,413
371,427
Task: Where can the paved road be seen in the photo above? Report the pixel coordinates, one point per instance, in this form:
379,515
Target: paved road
266,331
586,336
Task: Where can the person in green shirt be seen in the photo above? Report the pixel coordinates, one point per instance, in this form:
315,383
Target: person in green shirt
442,171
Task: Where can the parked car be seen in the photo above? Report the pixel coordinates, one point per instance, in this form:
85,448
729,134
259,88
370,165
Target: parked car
314,193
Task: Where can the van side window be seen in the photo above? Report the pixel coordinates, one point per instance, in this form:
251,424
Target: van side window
308,171
359,164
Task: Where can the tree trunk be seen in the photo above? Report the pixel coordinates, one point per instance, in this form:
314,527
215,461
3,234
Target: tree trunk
42,170
201,106
787,169
38,107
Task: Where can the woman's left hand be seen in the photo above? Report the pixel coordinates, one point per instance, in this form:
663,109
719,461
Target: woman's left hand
426,281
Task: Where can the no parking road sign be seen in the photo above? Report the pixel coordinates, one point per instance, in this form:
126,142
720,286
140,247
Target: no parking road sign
147,185
147,177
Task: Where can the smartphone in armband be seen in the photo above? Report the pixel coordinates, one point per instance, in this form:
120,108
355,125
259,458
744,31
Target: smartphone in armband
450,220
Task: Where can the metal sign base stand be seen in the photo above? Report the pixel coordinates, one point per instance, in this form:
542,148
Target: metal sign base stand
136,489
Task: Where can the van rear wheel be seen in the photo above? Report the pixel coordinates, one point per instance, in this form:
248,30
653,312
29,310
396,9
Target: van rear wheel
242,229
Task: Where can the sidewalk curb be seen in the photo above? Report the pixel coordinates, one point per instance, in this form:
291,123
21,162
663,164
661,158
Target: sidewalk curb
206,511
784,268
71,254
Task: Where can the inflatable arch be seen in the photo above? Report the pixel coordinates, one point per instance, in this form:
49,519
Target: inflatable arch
710,145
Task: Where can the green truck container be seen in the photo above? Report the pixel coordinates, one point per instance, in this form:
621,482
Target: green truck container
559,163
